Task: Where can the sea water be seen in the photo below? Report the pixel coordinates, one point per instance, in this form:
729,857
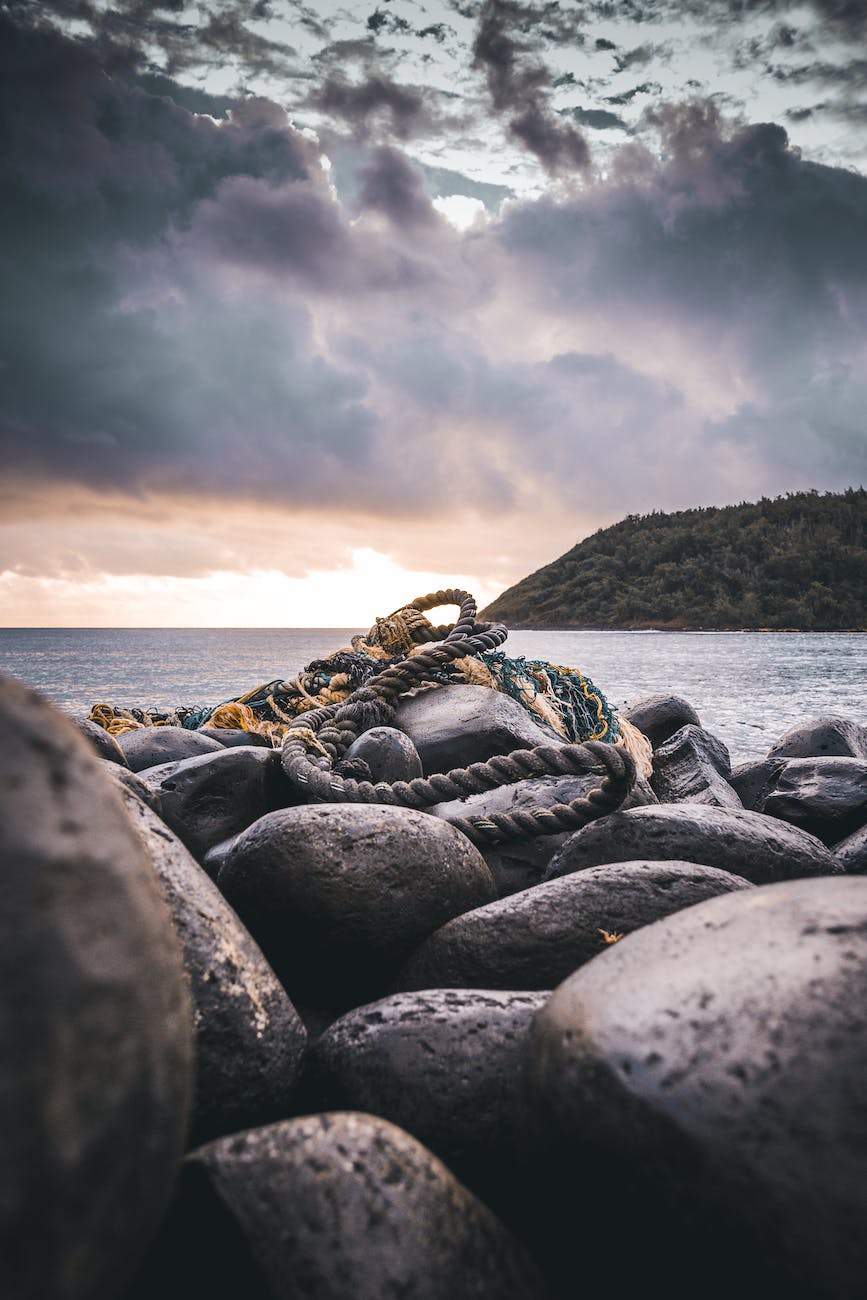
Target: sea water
748,687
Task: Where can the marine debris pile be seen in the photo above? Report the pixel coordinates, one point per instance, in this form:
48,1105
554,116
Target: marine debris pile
427,974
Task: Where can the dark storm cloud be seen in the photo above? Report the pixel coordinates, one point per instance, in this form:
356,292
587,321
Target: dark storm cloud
519,82
597,119
375,103
391,185
627,96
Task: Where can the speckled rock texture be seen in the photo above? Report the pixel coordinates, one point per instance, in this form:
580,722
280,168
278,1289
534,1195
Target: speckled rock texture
660,716
337,1206
824,737
707,1076
338,895
693,766
758,848
535,939
249,1037
96,1036
851,852
825,796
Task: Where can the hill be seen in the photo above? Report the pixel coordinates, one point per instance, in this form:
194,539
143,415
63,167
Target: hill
795,562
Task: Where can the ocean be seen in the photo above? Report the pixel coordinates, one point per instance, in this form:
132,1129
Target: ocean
748,687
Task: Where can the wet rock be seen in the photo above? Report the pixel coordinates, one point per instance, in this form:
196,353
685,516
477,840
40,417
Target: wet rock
758,848
389,754
150,746
824,737
535,939
443,1064
96,1031
851,853
99,739
518,863
825,796
709,1071
209,798
753,782
660,716
339,1206
338,895
693,766
229,737
453,726
249,1038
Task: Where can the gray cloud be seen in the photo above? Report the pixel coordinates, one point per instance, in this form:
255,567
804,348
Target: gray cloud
597,119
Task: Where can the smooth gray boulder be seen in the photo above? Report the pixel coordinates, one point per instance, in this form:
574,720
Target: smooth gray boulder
851,852
149,746
453,726
660,716
230,737
338,1206
104,744
758,848
709,1070
827,736
825,796
388,754
753,781
96,1035
249,1038
442,1064
693,766
213,796
338,895
535,939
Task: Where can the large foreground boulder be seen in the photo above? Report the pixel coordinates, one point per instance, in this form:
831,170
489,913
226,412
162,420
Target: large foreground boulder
96,1038
338,1206
706,1075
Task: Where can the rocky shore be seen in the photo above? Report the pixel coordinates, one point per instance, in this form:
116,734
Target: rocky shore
260,1047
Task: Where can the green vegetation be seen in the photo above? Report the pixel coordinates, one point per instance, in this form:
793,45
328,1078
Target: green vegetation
796,562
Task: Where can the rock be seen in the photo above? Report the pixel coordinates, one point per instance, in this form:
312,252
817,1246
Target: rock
825,796
824,737
443,1064
660,716
338,895
229,737
96,1030
693,766
534,939
389,754
519,863
746,843
104,744
709,1070
150,746
338,1206
851,853
213,860
249,1038
213,796
753,782
453,726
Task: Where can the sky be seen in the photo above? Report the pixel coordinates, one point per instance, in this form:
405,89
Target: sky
309,309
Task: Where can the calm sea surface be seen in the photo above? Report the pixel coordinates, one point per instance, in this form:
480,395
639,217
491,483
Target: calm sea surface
748,687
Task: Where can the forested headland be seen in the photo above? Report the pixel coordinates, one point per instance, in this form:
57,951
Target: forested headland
797,562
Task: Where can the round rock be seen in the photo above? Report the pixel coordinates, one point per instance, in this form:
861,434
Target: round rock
851,853
338,895
104,744
389,754
710,1071
96,1037
660,716
825,796
338,1206
824,737
535,939
748,844
149,746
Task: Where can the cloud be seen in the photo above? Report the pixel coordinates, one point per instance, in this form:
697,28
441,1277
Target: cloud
375,103
597,119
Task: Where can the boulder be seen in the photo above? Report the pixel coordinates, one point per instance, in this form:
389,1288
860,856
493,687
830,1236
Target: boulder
851,853
825,796
338,895
660,716
99,739
824,737
249,1038
96,1037
150,746
214,796
534,939
693,766
442,1064
758,848
338,1206
453,726
229,737
753,781
709,1071
388,753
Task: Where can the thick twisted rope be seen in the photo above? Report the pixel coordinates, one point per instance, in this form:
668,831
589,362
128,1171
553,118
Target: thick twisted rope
319,738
